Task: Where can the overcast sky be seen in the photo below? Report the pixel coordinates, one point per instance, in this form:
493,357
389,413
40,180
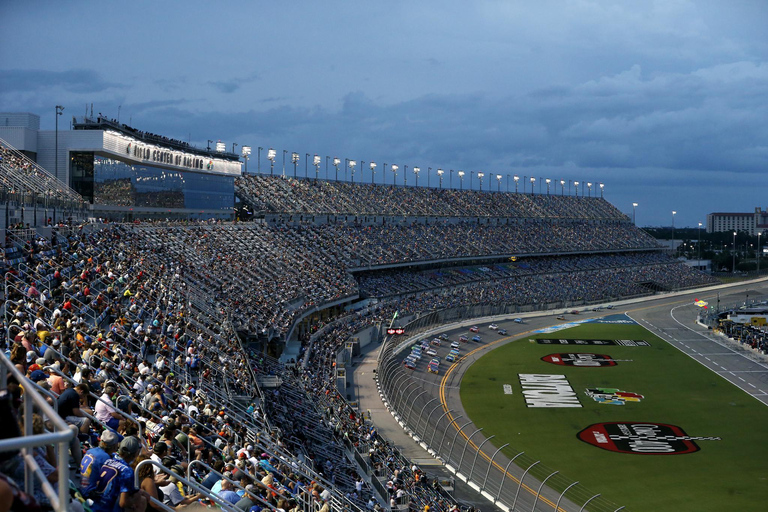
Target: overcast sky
665,102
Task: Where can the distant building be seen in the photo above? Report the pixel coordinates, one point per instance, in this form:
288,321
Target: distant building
124,172
753,223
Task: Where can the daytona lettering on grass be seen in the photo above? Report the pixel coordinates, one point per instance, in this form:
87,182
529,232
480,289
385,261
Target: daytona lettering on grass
542,390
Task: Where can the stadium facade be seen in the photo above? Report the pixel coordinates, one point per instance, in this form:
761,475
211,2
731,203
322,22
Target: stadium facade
124,172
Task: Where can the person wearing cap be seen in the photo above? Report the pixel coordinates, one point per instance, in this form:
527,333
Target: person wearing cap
115,488
94,459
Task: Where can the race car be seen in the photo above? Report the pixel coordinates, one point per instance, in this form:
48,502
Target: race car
561,317
463,339
518,320
474,328
432,352
477,338
502,332
451,357
455,345
443,337
493,327
433,369
411,365
436,342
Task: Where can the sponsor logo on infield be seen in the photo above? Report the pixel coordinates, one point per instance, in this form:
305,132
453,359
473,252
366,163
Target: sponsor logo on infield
507,389
543,390
641,438
612,396
582,359
622,343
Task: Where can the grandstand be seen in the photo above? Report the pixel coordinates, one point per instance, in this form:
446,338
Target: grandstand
176,328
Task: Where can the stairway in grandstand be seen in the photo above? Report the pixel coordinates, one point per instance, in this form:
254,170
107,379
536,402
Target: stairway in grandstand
653,286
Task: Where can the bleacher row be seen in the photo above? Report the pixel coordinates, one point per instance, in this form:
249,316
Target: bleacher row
276,194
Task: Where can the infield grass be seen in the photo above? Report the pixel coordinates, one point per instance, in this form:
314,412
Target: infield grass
726,475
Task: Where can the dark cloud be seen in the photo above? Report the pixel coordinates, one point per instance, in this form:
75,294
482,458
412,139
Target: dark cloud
227,87
74,81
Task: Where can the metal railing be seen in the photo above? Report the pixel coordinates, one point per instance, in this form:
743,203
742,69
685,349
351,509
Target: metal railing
60,437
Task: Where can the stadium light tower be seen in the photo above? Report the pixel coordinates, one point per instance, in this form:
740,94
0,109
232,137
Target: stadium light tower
394,170
734,253
461,178
589,189
548,182
416,171
271,154
405,175
634,206
258,163
698,264
285,152
480,176
498,182
533,182
316,163
602,186
673,226
295,160
209,144
59,112
306,164
759,248
440,173
234,145
352,165
246,152
429,171
450,178
372,166
562,187
576,186
336,163
517,180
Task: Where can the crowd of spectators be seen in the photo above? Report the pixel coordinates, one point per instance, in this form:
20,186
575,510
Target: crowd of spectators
276,194
21,176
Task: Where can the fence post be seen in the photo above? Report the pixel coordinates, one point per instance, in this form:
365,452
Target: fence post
557,505
410,409
472,470
409,394
465,447
453,443
504,476
434,431
490,464
586,502
521,483
426,421
421,412
538,493
445,433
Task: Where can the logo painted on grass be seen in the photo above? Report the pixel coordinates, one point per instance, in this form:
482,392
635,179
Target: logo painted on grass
621,343
542,390
582,359
612,396
641,438
610,319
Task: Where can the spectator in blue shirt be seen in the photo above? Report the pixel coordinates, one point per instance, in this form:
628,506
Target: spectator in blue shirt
115,489
94,459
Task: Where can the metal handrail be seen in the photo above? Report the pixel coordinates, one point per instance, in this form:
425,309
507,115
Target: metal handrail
61,438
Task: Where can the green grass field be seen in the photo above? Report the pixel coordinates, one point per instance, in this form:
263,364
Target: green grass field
726,475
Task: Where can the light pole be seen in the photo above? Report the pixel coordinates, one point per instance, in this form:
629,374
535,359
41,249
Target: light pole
258,163
59,111
429,171
285,152
507,183
480,176
346,164
498,183
634,205
405,175
759,249
416,171
698,265
271,154
234,144
673,227
394,170
209,144
576,186
734,253
246,152
326,166
533,182
440,173
450,179
562,187
471,179
306,164
589,189
602,186
336,163
461,180
517,179
352,165
316,163
372,166
548,182
295,160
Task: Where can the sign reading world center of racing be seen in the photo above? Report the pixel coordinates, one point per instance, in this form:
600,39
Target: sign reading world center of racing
582,359
622,343
543,390
641,438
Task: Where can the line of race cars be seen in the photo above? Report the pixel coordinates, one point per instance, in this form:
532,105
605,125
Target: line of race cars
429,348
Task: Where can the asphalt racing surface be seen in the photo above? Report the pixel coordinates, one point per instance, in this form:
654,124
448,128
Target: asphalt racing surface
672,318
